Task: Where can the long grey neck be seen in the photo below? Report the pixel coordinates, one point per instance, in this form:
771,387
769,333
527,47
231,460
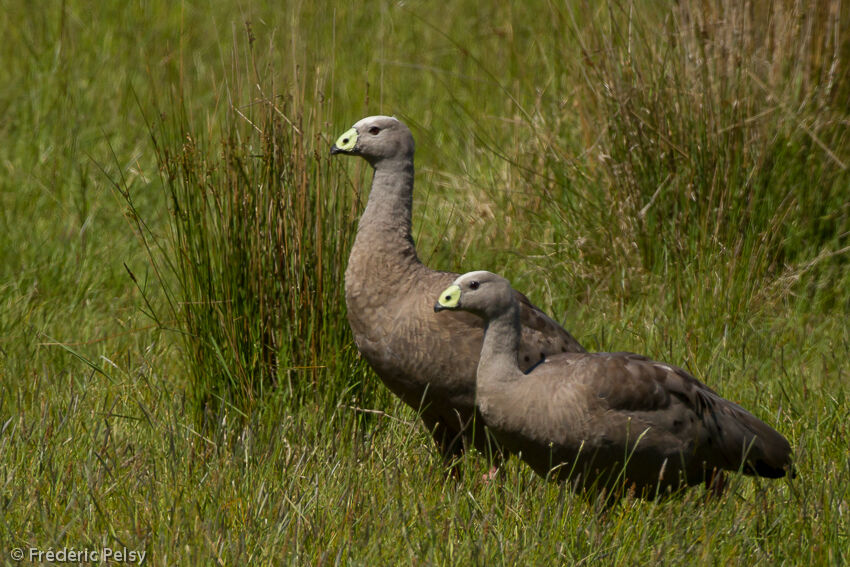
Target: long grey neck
499,352
385,224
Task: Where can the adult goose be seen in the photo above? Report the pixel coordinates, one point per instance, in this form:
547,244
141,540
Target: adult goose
582,416
428,361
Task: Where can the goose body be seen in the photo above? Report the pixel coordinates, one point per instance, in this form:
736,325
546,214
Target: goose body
583,416
427,361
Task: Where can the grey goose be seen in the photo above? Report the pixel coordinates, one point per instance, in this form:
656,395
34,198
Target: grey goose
427,361
582,416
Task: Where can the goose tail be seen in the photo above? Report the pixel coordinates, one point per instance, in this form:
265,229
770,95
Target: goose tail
752,445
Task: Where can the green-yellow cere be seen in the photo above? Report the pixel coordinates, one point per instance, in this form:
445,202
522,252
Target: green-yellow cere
450,297
348,139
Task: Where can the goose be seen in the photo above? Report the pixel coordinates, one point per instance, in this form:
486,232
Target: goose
581,416
427,361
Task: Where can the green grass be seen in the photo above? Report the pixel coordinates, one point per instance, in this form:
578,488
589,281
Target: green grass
176,372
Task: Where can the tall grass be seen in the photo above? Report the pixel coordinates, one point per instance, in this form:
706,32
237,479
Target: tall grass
261,224
725,135
702,148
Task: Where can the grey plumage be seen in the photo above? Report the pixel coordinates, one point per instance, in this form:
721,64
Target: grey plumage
580,416
428,361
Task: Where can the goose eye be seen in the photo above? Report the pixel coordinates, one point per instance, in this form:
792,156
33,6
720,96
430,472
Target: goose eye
474,285
374,130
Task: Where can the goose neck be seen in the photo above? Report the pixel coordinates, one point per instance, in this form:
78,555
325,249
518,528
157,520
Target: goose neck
386,221
501,344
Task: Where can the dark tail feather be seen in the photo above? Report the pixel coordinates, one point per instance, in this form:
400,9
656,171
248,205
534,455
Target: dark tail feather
750,442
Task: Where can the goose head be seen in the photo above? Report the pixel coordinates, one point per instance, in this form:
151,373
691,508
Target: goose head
483,293
378,140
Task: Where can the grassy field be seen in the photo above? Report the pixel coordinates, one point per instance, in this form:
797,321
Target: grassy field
176,372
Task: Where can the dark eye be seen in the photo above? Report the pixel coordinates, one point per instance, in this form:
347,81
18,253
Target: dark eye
474,285
374,130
